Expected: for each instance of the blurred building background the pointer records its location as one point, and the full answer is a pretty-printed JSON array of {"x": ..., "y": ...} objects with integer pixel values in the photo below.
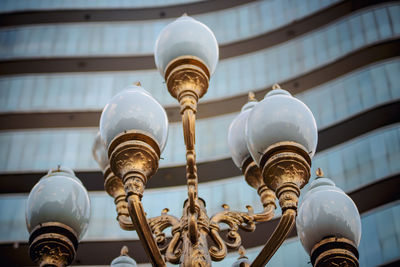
[{"x": 60, "y": 62}]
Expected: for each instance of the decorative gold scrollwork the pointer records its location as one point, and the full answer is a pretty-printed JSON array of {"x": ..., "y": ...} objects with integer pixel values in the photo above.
[
  {"x": 159, "y": 224},
  {"x": 134, "y": 159},
  {"x": 235, "y": 220},
  {"x": 174, "y": 250}
]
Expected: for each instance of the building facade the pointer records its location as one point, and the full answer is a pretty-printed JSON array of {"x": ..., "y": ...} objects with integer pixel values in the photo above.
[{"x": 61, "y": 61}]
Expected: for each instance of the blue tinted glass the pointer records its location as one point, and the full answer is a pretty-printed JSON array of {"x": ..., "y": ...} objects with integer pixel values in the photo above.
[
  {"x": 392, "y": 71},
  {"x": 369, "y": 25},
  {"x": 118, "y": 38},
  {"x": 336, "y": 167},
  {"x": 380, "y": 81},
  {"x": 313, "y": 5},
  {"x": 266, "y": 13},
  {"x": 320, "y": 47},
  {"x": 357, "y": 31},
  {"x": 365, "y": 170},
  {"x": 333, "y": 42},
  {"x": 341, "y": 100},
  {"x": 352, "y": 96},
  {"x": 394, "y": 13},
  {"x": 388, "y": 241},
  {"x": 392, "y": 145},
  {"x": 325, "y": 113},
  {"x": 275, "y": 64},
  {"x": 372, "y": 255},
  {"x": 377, "y": 144},
  {"x": 383, "y": 24},
  {"x": 5, "y": 144},
  {"x": 344, "y": 37},
  {"x": 23, "y": 5}
]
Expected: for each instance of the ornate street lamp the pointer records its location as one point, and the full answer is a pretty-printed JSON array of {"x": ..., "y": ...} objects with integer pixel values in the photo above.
[
  {"x": 57, "y": 216},
  {"x": 271, "y": 141},
  {"x": 329, "y": 225}
]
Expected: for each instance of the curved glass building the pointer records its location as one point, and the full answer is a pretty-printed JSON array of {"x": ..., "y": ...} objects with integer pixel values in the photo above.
[{"x": 61, "y": 61}]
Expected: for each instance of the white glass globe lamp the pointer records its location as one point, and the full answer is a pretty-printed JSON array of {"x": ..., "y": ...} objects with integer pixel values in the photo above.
[
  {"x": 280, "y": 117},
  {"x": 100, "y": 152},
  {"x": 236, "y": 136},
  {"x": 326, "y": 211},
  {"x": 59, "y": 197},
  {"x": 134, "y": 109},
  {"x": 186, "y": 37},
  {"x": 123, "y": 260}
]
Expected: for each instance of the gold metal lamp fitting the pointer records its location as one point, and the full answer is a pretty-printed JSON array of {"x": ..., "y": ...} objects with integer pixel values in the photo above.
[
  {"x": 251, "y": 97},
  {"x": 253, "y": 177},
  {"x": 134, "y": 157},
  {"x": 276, "y": 86},
  {"x": 53, "y": 244},
  {"x": 124, "y": 251},
  {"x": 286, "y": 169},
  {"x": 187, "y": 77},
  {"x": 115, "y": 188},
  {"x": 334, "y": 251},
  {"x": 319, "y": 173}
]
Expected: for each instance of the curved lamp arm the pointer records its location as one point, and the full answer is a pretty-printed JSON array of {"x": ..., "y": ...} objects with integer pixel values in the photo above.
[
  {"x": 285, "y": 170},
  {"x": 125, "y": 223},
  {"x": 134, "y": 158},
  {"x": 146, "y": 236},
  {"x": 278, "y": 236},
  {"x": 114, "y": 187}
]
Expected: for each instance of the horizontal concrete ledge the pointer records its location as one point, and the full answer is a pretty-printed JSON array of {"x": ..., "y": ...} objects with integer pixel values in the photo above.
[
  {"x": 352, "y": 127},
  {"x": 114, "y": 14},
  {"x": 143, "y": 62},
  {"x": 103, "y": 252},
  {"x": 351, "y": 62}
]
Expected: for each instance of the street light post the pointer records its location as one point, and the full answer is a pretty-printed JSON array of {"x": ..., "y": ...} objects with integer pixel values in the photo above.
[{"x": 271, "y": 141}]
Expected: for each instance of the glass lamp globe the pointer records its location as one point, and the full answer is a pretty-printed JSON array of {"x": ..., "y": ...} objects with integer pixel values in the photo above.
[
  {"x": 59, "y": 197},
  {"x": 134, "y": 109},
  {"x": 124, "y": 260},
  {"x": 236, "y": 136},
  {"x": 186, "y": 37},
  {"x": 100, "y": 152},
  {"x": 241, "y": 262},
  {"x": 327, "y": 211},
  {"x": 277, "y": 118}
]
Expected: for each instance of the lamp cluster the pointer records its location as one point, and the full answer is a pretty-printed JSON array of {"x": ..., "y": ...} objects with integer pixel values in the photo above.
[{"x": 271, "y": 141}]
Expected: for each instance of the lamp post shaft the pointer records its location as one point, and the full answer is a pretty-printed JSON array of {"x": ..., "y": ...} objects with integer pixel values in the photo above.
[
  {"x": 195, "y": 254},
  {"x": 187, "y": 80},
  {"x": 134, "y": 157}
]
